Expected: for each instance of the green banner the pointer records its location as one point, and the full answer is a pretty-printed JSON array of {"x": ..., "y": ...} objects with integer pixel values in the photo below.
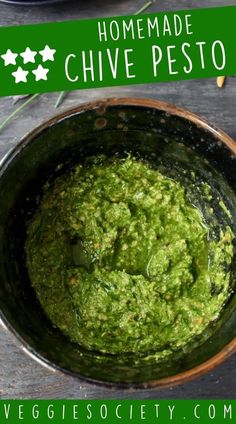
[
  {"x": 117, "y": 411},
  {"x": 118, "y": 51}
]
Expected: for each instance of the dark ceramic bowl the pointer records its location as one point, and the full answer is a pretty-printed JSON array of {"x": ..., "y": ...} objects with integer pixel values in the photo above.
[{"x": 152, "y": 130}]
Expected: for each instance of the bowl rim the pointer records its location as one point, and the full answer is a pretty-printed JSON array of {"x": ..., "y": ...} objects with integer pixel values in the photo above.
[
  {"x": 100, "y": 107},
  {"x": 30, "y": 3}
]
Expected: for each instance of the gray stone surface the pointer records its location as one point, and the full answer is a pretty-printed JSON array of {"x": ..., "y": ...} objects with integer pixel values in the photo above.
[{"x": 20, "y": 375}]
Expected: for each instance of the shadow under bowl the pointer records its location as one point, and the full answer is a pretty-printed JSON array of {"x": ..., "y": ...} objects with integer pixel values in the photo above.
[{"x": 147, "y": 128}]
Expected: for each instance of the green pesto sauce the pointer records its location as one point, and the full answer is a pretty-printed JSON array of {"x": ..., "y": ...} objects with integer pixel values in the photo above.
[{"x": 122, "y": 262}]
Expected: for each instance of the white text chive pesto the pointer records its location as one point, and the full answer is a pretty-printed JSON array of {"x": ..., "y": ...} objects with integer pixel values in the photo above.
[{"x": 121, "y": 261}]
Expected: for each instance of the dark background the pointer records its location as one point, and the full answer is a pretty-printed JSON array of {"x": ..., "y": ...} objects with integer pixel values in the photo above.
[{"x": 20, "y": 375}]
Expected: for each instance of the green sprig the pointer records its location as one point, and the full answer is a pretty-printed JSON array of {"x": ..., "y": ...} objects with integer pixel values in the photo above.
[
  {"x": 18, "y": 110},
  {"x": 144, "y": 7},
  {"x": 60, "y": 98}
]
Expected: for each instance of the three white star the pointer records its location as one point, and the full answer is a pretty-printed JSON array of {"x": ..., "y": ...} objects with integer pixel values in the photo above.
[
  {"x": 40, "y": 73},
  {"x": 28, "y": 55},
  {"x": 47, "y": 54},
  {"x": 20, "y": 75},
  {"x": 9, "y": 58}
]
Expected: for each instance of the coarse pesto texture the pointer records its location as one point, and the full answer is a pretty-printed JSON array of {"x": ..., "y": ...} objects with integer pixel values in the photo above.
[{"x": 121, "y": 261}]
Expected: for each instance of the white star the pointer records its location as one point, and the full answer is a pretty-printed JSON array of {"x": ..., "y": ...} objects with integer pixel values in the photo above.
[
  {"x": 20, "y": 75},
  {"x": 28, "y": 55},
  {"x": 9, "y": 58},
  {"x": 47, "y": 54},
  {"x": 40, "y": 73}
]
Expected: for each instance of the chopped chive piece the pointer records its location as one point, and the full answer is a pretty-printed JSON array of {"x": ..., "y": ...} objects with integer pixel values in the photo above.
[
  {"x": 19, "y": 109},
  {"x": 144, "y": 7}
]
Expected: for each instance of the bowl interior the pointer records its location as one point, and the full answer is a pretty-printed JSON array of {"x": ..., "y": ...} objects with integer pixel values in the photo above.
[{"x": 170, "y": 142}]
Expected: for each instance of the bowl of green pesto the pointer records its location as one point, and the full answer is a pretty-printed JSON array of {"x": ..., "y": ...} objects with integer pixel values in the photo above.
[{"x": 117, "y": 240}]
